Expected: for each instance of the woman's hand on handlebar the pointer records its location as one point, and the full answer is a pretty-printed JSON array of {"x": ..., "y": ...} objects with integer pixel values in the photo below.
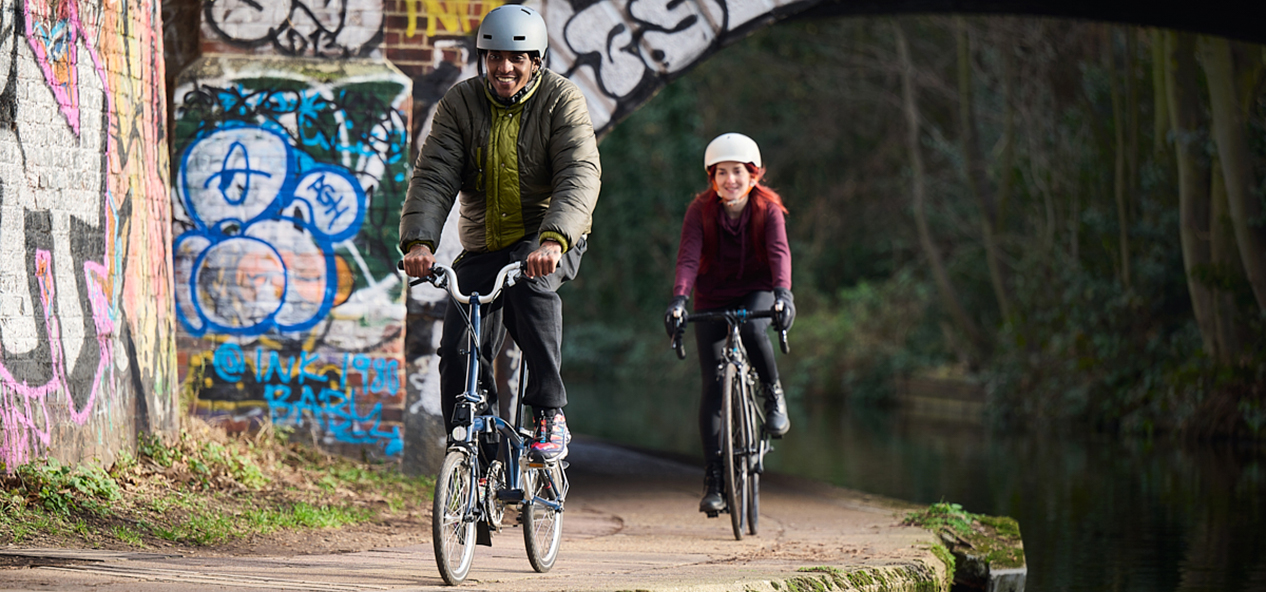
[{"x": 419, "y": 261}]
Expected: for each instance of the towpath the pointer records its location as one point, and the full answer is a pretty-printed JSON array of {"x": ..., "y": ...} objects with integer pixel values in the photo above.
[{"x": 631, "y": 524}]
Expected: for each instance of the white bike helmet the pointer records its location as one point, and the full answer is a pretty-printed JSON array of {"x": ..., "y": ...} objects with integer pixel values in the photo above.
[
  {"x": 732, "y": 146},
  {"x": 513, "y": 28}
]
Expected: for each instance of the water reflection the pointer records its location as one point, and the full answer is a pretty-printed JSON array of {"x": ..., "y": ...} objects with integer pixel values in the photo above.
[{"x": 1096, "y": 513}]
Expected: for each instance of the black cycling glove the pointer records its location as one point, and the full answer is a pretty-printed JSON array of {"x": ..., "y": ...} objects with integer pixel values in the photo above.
[
  {"x": 675, "y": 316},
  {"x": 788, "y": 314}
]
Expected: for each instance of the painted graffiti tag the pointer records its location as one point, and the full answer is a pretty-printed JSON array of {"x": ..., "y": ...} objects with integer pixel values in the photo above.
[
  {"x": 341, "y": 395},
  {"x": 454, "y": 16},
  {"x": 324, "y": 28}
]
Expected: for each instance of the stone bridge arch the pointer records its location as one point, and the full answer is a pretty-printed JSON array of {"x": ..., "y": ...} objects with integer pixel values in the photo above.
[{"x": 621, "y": 52}]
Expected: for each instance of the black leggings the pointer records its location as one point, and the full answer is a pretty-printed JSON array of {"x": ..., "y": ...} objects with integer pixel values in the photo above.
[{"x": 710, "y": 339}]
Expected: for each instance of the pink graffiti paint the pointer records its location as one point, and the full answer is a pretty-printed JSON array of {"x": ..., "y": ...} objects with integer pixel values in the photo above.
[
  {"x": 15, "y": 447},
  {"x": 52, "y": 30}
]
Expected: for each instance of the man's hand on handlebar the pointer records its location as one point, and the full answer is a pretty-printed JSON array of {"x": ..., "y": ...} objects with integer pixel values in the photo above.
[
  {"x": 419, "y": 261},
  {"x": 544, "y": 260}
]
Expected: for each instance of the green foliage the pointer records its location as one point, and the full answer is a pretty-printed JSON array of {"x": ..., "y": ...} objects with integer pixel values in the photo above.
[
  {"x": 61, "y": 489},
  {"x": 1084, "y": 343},
  {"x": 942, "y": 515}
]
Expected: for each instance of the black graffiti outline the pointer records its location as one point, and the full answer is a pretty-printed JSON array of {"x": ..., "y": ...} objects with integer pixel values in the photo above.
[
  {"x": 322, "y": 41},
  {"x": 641, "y": 27}
]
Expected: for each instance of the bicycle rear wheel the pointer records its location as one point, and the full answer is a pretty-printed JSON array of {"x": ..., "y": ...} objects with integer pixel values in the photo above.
[
  {"x": 734, "y": 466},
  {"x": 452, "y": 519},
  {"x": 543, "y": 525}
]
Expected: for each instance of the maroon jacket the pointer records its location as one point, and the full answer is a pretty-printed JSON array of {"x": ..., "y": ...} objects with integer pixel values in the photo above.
[{"x": 737, "y": 269}]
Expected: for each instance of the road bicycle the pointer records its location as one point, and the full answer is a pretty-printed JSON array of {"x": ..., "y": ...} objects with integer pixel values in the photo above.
[
  {"x": 475, "y": 486},
  {"x": 743, "y": 439}
]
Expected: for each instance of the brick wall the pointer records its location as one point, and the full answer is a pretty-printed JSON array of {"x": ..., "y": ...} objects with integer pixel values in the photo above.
[{"x": 86, "y": 318}]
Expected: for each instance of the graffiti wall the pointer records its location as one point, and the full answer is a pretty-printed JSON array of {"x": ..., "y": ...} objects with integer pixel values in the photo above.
[
  {"x": 290, "y": 174},
  {"x": 87, "y": 344}
]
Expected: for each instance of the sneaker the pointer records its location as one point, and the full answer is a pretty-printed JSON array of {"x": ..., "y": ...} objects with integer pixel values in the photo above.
[{"x": 551, "y": 439}]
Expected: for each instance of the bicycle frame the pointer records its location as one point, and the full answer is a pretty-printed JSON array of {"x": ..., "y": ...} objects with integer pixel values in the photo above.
[{"x": 474, "y": 398}]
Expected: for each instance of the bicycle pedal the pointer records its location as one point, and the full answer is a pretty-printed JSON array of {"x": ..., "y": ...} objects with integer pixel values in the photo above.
[
  {"x": 712, "y": 514},
  {"x": 483, "y": 535}
]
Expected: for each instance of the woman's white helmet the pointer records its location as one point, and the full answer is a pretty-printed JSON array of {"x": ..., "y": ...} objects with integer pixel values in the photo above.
[
  {"x": 732, "y": 146},
  {"x": 512, "y": 27}
]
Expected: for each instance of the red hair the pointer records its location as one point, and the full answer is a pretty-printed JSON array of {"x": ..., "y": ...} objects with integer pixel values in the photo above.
[{"x": 760, "y": 199}]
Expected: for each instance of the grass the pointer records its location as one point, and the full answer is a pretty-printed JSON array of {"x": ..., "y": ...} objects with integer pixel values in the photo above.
[{"x": 202, "y": 488}]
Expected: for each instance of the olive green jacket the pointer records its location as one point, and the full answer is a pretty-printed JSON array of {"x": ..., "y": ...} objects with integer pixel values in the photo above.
[{"x": 527, "y": 168}]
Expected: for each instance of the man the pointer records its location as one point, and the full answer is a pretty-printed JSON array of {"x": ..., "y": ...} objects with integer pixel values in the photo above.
[{"x": 519, "y": 146}]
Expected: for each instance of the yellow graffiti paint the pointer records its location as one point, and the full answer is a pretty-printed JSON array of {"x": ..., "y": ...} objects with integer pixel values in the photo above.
[{"x": 454, "y": 16}]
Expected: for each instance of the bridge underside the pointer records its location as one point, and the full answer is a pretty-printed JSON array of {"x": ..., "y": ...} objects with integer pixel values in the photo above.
[{"x": 1227, "y": 18}]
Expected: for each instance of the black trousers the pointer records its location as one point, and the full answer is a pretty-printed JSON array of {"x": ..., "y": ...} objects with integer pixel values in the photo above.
[
  {"x": 530, "y": 310},
  {"x": 710, "y": 341}
]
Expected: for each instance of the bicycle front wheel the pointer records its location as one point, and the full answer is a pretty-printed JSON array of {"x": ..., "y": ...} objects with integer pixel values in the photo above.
[
  {"x": 755, "y": 447},
  {"x": 453, "y": 517},
  {"x": 733, "y": 457},
  {"x": 543, "y": 525}
]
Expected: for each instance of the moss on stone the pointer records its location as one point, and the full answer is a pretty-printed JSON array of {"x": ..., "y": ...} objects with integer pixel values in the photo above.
[
  {"x": 917, "y": 577},
  {"x": 974, "y": 543}
]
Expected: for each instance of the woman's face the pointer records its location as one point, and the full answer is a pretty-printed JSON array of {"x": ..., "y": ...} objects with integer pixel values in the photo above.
[{"x": 733, "y": 181}]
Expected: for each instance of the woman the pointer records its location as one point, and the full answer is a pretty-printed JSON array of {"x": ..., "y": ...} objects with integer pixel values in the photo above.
[{"x": 733, "y": 254}]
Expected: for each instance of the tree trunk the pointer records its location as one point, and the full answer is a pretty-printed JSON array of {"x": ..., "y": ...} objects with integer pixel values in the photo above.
[
  {"x": 1159, "y": 96},
  {"x": 1233, "y": 152},
  {"x": 1193, "y": 181},
  {"x": 949, "y": 296},
  {"x": 1118, "y": 124},
  {"x": 974, "y": 163},
  {"x": 1132, "y": 132},
  {"x": 1230, "y": 333},
  {"x": 1006, "y": 161}
]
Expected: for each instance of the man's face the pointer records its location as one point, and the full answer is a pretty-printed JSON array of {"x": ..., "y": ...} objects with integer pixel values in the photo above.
[{"x": 509, "y": 71}]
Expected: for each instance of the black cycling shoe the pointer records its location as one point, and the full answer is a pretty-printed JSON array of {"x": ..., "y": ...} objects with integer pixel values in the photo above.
[
  {"x": 776, "y": 421},
  {"x": 712, "y": 502}
]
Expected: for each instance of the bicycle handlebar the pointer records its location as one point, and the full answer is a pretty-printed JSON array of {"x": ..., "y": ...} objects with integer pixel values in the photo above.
[
  {"x": 731, "y": 317},
  {"x": 445, "y": 278}
]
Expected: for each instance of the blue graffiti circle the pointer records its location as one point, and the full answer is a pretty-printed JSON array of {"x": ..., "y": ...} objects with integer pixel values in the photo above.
[
  {"x": 229, "y": 362},
  {"x": 266, "y": 221}
]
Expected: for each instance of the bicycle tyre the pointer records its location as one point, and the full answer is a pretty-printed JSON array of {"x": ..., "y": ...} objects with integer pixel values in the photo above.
[
  {"x": 753, "y": 445},
  {"x": 542, "y": 526},
  {"x": 452, "y": 534},
  {"x": 753, "y": 504},
  {"x": 733, "y": 467}
]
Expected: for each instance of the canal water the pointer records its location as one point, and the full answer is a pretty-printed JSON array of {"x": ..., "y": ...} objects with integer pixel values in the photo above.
[{"x": 1095, "y": 513}]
